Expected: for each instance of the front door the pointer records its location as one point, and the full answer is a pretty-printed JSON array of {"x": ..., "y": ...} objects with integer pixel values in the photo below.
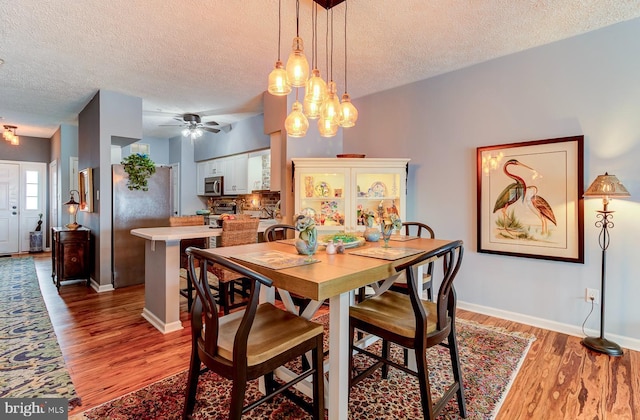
[{"x": 9, "y": 208}]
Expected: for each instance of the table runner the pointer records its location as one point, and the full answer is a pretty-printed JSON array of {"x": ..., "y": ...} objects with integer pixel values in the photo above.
[{"x": 275, "y": 260}]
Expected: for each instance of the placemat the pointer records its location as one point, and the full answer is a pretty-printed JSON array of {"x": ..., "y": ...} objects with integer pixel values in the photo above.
[
  {"x": 275, "y": 260},
  {"x": 402, "y": 238},
  {"x": 386, "y": 253}
]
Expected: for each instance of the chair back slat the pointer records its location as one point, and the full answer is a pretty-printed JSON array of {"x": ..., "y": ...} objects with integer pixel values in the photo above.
[
  {"x": 451, "y": 256},
  {"x": 279, "y": 231}
]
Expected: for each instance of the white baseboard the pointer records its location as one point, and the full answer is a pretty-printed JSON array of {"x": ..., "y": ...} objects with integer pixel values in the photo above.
[
  {"x": 101, "y": 287},
  {"x": 626, "y": 342}
]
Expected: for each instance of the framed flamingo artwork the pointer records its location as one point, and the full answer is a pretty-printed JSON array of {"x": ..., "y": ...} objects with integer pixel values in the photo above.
[{"x": 530, "y": 199}]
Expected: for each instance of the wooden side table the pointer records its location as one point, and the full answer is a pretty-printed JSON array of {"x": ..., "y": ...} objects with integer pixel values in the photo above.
[{"x": 70, "y": 254}]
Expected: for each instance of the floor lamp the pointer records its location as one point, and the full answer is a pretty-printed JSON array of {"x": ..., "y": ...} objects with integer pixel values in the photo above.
[{"x": 606, "y": 187}]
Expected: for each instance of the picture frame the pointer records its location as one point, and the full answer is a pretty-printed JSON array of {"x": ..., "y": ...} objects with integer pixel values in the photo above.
[
  {"x": 85, "y": 189},
  {"x": 529, "y": 199}
]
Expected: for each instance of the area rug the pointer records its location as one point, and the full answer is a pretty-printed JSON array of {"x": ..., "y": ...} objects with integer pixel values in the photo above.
[
  {"x": 31, "y": 363},
  {"x": 490, "y": 360}
]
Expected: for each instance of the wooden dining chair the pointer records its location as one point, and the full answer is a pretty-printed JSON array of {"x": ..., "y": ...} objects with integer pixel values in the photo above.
[
  {"x": 241, "y": 231},
  {"x": 411, "y": 322},
  {"x": 249, "y": 343},
  {"x": 279, "y": 231},
  {"x": 423, "y": 231}
]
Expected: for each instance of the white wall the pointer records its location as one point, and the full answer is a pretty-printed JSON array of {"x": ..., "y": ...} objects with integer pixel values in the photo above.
[{"x": 586, "y": 85}]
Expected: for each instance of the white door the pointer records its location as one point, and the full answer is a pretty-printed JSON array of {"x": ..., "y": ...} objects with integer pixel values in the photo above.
[
  {"x": 54, "y": 197},
  {"x": 9, "y": 208}
]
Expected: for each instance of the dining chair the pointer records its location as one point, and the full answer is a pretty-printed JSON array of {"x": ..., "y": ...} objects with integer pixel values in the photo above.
[
  {"x": 240, "y": 231},
  {"x": 279, "y": 231},
  {"x": 249, "y": 343},
  {"x": 186, "y": 285},
  {"x": 420, "y": 230},
  {"x": 414, "y": 323}
]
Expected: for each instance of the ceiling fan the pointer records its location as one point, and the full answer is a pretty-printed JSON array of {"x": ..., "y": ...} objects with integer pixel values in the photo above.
[{"x": 193, "y": 126}]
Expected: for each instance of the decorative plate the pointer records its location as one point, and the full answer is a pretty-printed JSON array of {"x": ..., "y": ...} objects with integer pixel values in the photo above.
[
  {"x": 308, "y": 211},
  {"x": 378, "y": 189},
  {"x": 348, "y": 239},
  {"x": 323, "y": 189}
]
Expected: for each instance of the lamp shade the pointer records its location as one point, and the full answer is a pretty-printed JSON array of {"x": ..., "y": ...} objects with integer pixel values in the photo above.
[
  {"x": 607, "y": 186},
  {"x": 278, "y": 82},
  {"x": 296, "y": 123}
]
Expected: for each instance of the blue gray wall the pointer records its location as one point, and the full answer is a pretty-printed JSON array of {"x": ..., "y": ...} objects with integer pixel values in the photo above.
[{"x": 587, "y": 85}]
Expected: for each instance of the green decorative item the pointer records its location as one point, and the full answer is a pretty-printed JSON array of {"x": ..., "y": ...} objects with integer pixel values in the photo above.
[{"x": 139, "y": 168}]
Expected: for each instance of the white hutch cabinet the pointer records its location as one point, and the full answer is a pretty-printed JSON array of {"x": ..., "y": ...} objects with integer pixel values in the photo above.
[{"x": 338, "y": 191}]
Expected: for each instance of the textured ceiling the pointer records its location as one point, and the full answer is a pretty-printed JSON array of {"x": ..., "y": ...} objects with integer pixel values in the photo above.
[{"x": 213, "y": 57}]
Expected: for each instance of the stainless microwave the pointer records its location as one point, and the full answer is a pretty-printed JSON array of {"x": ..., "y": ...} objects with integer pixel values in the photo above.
[{"x": 213, "y": 186}]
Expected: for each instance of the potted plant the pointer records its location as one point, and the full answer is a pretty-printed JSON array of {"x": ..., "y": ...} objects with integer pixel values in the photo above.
[{"x": 139, "y": 168}]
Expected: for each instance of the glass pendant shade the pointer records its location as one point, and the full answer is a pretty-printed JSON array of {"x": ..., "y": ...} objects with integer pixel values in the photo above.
[
  {"x": 349, "y": 113},
  {"x": 330, "y": 108},
  {"x": 278, "y": 80},
  {"x": 296, "y": 123},
  {"x": 297, "y": 64},
  {"x": 316, "y": 89},
  {"x": 15, "y": 140},
  {"x": 327, "y": 127},
  {"x": 311, "y": 108}
]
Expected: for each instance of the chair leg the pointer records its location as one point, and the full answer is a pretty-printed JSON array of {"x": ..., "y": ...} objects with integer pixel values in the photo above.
[
  {"x": 238, "y": 389},
  {"x": 457, "y": 373},
  {"x": 386, "y": 349},
  {"x": 423, "y": 379},
  {"x": 189, "y": 291},
  {"x": 192, "y": 384},
  {"x": 318, "y": 380},
  {"x": 224, "y": 297}
]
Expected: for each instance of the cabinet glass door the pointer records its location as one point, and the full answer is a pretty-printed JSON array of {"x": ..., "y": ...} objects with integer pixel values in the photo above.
[
  {"x": 323, "y": 196},
  {"x": 375, "y": 191}
]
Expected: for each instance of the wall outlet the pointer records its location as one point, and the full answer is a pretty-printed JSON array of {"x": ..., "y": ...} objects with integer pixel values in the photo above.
[{"x": 592, "y": 294}]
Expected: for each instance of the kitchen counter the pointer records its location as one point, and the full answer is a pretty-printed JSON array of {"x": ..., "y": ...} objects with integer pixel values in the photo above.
[{"x": 162, "y": 270}]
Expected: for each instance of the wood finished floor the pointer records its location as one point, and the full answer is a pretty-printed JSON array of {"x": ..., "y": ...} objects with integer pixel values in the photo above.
[{"x": 111, "y": 350}]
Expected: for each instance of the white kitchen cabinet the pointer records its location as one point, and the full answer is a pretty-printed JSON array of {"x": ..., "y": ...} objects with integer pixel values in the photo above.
[
  {"x": 336, "y": 192},
  {"x": 201, "y": 170},
  {"x": 235, "y": 173},
  {"x": 259, "y": 168}
]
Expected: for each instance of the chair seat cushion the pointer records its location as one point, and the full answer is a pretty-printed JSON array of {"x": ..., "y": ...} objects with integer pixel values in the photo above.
[
  {"x": 274, "y": 331},
  {"x": 392, "y": 311},
  {"x": 213, "y": 280}
]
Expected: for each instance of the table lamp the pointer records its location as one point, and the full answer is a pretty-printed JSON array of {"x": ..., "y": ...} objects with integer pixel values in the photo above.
[
  {"x": 73, "y": 210},
  {"x": 606, "y": 187}
]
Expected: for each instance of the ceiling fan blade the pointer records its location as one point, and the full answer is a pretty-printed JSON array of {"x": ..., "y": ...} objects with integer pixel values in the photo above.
[
  {"x": 179, "y": 119},
  {"x": 210, "y": 123},
  {"x": 169, "y": 125},
  {"x": 211, "y": 129}
]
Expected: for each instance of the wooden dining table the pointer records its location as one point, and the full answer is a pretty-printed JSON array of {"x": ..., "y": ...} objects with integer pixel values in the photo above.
[{"x": 333, "y": 277}]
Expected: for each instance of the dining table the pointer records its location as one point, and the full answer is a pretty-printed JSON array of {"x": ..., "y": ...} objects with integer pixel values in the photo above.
[{"x": 332, "y": 277}]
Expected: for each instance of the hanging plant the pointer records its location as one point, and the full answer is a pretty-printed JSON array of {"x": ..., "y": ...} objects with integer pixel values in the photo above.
[{"x": 139, "y": 168}]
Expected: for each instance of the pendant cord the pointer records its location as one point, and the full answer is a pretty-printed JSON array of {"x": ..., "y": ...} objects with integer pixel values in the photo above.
[
  {"x": 297, "y": 18},
  {"x": 345, "y": 47},
  {"x": 331, "y": 45},
  {"x": 326, "y": 45},
  {"x": 279, "y": 26}
]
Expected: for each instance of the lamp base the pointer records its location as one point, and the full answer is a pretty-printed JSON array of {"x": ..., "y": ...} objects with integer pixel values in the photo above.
[
  {"x": 602, "y": 345},
  {"x": 73, "y": 226}
]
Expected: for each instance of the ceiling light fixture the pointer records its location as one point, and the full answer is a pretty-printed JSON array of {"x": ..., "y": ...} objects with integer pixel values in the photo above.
[
  {"x": 192, "y": 131},
  {"x": 10, "y": 135},
  {"x": 348, "y": 112},
  {"x": 278, "y": 81},
  {"x": 297, "y": 64},
  {"x": 330, "y": 107}
]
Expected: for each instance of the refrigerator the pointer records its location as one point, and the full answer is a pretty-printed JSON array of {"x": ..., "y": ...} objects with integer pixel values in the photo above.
[{"x": 136, "y": 209}]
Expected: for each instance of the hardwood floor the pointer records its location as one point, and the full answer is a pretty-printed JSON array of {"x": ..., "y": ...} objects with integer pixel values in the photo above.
[{"x": 111, "y": 350}]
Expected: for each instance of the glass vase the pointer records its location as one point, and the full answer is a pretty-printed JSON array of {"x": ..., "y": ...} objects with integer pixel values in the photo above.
[{"x": 386, "y": 230}]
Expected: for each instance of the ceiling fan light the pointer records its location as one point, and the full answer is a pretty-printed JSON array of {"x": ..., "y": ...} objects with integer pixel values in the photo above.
[
  {"x": 185, "y": 132},
  {"x": 297, "y": 64},
  {"x": 348, "y": 112},
  {"x": 278, "y": 81},
  {"x": 296, "y": 123}
]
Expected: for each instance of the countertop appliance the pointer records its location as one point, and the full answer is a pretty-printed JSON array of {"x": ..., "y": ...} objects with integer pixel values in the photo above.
[{"x": 213, "y": 186}]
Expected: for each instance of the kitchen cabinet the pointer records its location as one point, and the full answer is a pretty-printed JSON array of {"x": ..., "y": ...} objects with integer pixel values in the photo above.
[
  {"x": 259, "y": 170},
  {"x": 235, "y": 174},
  {"x": 337, "y": 192},
  {"x": 70, "y": 254}
]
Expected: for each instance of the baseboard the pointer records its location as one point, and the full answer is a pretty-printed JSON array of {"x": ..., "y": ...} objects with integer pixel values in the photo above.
[
  {"x": 101, "y": 287},
  {"x": 626, "y": 342}
]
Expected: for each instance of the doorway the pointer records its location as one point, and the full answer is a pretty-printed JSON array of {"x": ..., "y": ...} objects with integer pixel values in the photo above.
[{"x": 9, "y": 208}]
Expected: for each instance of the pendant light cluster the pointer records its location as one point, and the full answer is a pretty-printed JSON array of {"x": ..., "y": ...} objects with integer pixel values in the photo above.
[
  {"x": 10, "y": 135},
  {"x": 320, "y": 100}
]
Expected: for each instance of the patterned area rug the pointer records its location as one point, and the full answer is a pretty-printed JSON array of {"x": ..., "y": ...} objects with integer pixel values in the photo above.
[
  {"x": 31, "y": 363},
  {"x": 490, "y": 361}
]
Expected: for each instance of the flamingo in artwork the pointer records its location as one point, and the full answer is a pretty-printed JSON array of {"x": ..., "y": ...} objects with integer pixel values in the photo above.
[
  {"x": 540, "y": 207},
  {"x": 512, "y": 192}
]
